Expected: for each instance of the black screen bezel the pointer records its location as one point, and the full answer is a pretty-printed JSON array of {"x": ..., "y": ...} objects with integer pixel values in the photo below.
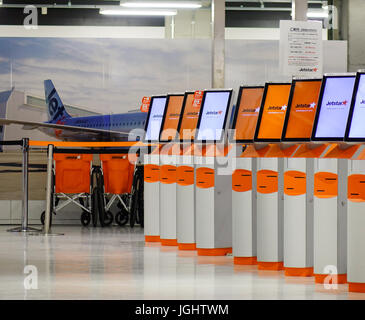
[
  {"x": 352, "y": 107},
  {"x": 287, "y": 115},
  {"x": 319, "y": 106},
  {"x": 225, "y": 117},
  {"x": 165, "y": 114},
  {"x": 235, "y": 116},
  {"x": 148, "y": 118},
  {"x": 256, "y": 139},
  {"x": 182, "y": 115}
]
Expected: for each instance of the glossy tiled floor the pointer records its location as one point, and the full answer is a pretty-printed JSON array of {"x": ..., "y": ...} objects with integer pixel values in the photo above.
[{"x": 114, "y": 263}]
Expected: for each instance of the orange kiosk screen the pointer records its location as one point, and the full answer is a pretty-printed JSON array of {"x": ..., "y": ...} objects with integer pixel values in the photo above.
[
  {"x": 273, "y": 111},
  {"x": 248, "y": 113},
  {"x": 172, "y": 117},
  {"x": 302, "y": 109},
  {"x": 189, "y": 119}
]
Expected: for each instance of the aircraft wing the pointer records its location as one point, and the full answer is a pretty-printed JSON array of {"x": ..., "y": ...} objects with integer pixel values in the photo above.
[{"x": 66, "y": 130}]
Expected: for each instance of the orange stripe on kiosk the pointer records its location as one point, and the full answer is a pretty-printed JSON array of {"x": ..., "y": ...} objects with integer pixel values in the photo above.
[
  {"x": 330, "y": 177},
  {"x": 213, "y": 196},
  {"x": 356, "y": 190},
  {"x": 244, "y": 242},
  {"x": 270, "y": 176},
  {"x": 168, "y": 169},
  {"x": 185, "y": 188},
  {"x": 152, "y": 170},
  {"x": 299, "y": 176}
]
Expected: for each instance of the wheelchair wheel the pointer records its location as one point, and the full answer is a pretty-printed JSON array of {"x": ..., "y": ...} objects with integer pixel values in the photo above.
[
  {"x": 133, "y": 212},
  {"x": 101, "y": 210},
  {"x": 108, "y": 218},
  {"x": 43, "y": 217},
  {"x": 137, "y": 199},
  {"x": 43, "y": 214},
  {"x": 85, "y": 218},
  {"x": 141, "y": 208},
  {"x": 121, "y": 218},
  {"x": 94, "y": 207},
  {"x": 140, "y": 211}
]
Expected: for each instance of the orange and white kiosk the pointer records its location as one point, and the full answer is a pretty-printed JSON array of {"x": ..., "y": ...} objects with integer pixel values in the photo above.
[
  {"x": 152, "y": 170},
  {"x": 270, "y": 180},
  {"x": 355, "y": 133},
  {"x": 213, "y": 196},
  {"x": 299, "y": 177},
  {"x": 244, "y": 191},
  {"x": 185, "y": 188},
  {"x": 330, "y": 179},
  {"x": 168, "y": 169}
]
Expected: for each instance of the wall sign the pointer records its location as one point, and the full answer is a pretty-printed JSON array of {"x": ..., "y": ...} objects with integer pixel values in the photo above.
[
  {"x": 198, "y": 97},
  {"x": 301, "y": 52},
  {"x": 145, "y": 104}
]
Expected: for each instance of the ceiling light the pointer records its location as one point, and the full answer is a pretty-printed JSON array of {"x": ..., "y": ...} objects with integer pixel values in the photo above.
[
  {"x": 124, "y": 12},
  {"x": 161, "y": 4},
  {"x": 317, "y": 14}
]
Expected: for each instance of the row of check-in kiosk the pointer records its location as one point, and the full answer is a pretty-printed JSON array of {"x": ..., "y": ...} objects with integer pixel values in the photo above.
[{"x": 284, "y": 189}]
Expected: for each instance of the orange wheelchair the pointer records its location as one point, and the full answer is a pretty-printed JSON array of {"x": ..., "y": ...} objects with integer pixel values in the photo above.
[
  {"x": 118, "y": 173},
  {"x": 72, "y": 182}
]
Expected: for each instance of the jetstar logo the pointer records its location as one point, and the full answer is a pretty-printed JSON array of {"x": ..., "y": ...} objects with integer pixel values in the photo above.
[
  {"x": 214, "y": 113},
  {"x": 174, "y": 115},
  {"x": 253, "y": 110},
  {"x": 337, "y": 103},
  {"x": 277, "y": 108},
  {"x": 157, "y": 116},
  {"x": 305, "y": 106},
  {"x": 362, "y": 101},
  {"x": 308, "y": 69},
  {"x": 192, "y": 113}
]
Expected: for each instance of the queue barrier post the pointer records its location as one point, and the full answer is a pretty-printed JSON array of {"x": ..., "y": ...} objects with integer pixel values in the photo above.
[
  {"x": 25, "y": 165},
  {"x": 47, "y": 220}
]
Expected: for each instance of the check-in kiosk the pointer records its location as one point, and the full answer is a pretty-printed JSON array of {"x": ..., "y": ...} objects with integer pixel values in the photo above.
[
  {"x": 213, "y": 197},
  {"x": 330, "y": 178},
  {"x": 355, "y": 133},
  {"x": 299, "y": 176},
  {"x": 152, "y": 170},
  {"x": 168, "y": 170},
  {"x": 244, "y": 192},
  {"x": 270, "y": 176},
  {"x": 185, "y": 188}
]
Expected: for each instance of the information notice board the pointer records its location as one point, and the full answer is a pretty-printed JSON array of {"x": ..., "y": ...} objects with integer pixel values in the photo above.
[{"x": 301, "y": 52}]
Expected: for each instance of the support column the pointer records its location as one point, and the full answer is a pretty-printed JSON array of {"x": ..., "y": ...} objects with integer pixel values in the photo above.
[
  {"x": 356, "y": 29},
  {"x": 299, "y": 10},
  {"x": 218, "y": 42}
]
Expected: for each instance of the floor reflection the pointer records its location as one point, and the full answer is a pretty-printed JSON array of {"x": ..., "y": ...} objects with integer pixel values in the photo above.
[{"x": 116, "y": 263}]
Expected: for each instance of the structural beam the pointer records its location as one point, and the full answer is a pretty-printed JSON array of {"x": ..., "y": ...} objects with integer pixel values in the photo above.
[
  {"x": 299, "y": 10},
  {"x": 218, "y": 43}
]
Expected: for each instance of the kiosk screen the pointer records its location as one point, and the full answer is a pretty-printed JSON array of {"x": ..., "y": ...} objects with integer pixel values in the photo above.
[
  {"x": 246, "y": 113},
  {"x": 213, "y": 115},
  {"x": 154, "y": 118},
  {"x": 272, "y": 112},
  {"x": 333, "y": 108},
  {"x": 356, "y": 127},
  {"x": 301, "y": 111},
  {"x": 189, "y": 119},
  {"x": 171, "y": 117}
]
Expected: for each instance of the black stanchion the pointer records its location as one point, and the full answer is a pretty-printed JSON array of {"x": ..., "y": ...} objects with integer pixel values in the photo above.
[{"x": 25, "y": 149}]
